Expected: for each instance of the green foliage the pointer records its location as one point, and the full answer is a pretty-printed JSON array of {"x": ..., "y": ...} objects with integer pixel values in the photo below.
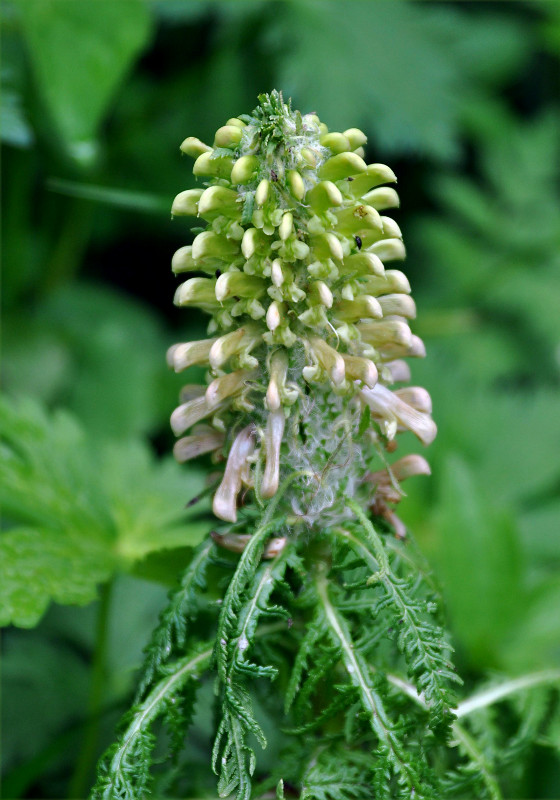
[
  {"x": 85, "y": 336},
  {"x": 171, "y": 633},
  {"x": 78, "y": 98},
  {"x": 327, "y": 651},
  {"x": 79, "y": 511},
  {"x": 368, "y": 707},
  {"x": 503, "y": 241},
  {"x": 408, "y": 609},
  {"x": 463, "y": 100},
  {"x": 124, "y": 771},
  {"x": 380, "y": 81},
  {"x": 337, "y": 774},
  {"x": 496, "y": 596}
]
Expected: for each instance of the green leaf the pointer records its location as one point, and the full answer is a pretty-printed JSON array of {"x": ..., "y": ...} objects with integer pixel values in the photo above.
[
  {"x": 81, "y": 511},
  {"x": 180, "y": 11},
  {"x": 37, "y": 673},
  {"x": 503, "y": 244},
  {"x": 360, "y": 61},
  {"x": 534, "y": 643},
  {"x": 80, "y": 53},
  {"x": 477, "y": 551},
  {"x": 14, "y": 125},
  {"x": 37, "y": 566},
  {"x": 99, "y": 350}
]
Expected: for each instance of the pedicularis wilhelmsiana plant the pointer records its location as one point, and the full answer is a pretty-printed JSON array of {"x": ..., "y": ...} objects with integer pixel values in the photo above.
[{"x": 326, "y": 632}]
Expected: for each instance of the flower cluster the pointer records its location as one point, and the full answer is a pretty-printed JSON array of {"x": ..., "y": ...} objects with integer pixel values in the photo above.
[{"x": 308, "y": 327}]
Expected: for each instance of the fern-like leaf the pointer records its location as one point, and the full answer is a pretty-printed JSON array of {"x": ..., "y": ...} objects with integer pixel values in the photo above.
[
  {"x": 338, "y": 774},
  {"x": 233, "y": 756},
  {"x": 421, "y": 640},
  {"x": 233, "y": 759},
  {"x": 124, "y": 771},
  {"x": 171, "y": 633},
  {"x": 236, "y": 591},
  {"x": 392, "y": 760}
]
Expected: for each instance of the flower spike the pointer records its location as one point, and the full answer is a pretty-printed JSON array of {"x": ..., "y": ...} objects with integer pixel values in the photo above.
[{"x": 308, "y": 325}]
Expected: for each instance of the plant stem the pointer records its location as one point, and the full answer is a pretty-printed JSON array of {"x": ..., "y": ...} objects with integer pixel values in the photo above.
[
  {"x": 88, "y": 754},
  {"x": 68, "y": 251},
  {"x": 496, "y": 693}
]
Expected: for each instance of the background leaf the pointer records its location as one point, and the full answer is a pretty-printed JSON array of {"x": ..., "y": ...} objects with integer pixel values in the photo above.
[
  {"x": 350, "y": 63},
  {"x": 86, "y": 511},
  {"x": 481, "y": 572},
  {"x": 462, "y": 101},
  {"x": 80, "y": 54}
]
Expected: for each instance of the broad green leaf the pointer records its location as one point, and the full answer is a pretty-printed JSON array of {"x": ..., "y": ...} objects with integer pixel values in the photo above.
[
  {"x": 179, "y": 11},
  {"x": 38, "y": 566},
  {"x": 100, "y": 352},
  {"x": 35, "y": 361},
  {"x": 80, "y": 52},
  {"x": 114, "y": 375},
  {"x": 14, "y": 125},
  {"x": 550, "y": 28},
  {"x": 540, "y": 526},
  {"x": 80, "y": 511},
  {"x": 151, "y": 521}
]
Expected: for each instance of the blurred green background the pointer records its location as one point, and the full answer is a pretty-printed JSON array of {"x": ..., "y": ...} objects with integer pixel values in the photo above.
[{"x": 462, "y": 100}]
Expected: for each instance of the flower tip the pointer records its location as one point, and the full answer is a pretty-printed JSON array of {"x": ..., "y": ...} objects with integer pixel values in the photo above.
[
  {"x": 409, "y": 466},
  {"x": 223, "y": 506},
  {"x": 193, "y": 147}
]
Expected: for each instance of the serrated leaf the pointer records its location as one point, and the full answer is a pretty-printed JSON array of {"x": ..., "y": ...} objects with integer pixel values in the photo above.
[
  {"x": 39, "y": 566},
  {"x": 80, "y": 511}
]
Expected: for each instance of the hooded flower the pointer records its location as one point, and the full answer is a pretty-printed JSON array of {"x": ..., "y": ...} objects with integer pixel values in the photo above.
[{"x": 309, "y": 325}]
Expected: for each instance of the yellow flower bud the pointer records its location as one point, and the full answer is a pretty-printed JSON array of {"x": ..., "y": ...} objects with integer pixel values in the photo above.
[
  {"x": 295, "y": 251},
  {"x": 227, "y": 136},
  {"x": 355, "y": 137},
  {"x": 295, "y": 184},
  {"x": 244, "y": 169},
  {"x": 186, "y": 203},
  {"x": 219, "y": 167},
  {"x": 194, "y": 147},
  {"x": 261, "y": 194},
  {"x": 342, "y": 166}
]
